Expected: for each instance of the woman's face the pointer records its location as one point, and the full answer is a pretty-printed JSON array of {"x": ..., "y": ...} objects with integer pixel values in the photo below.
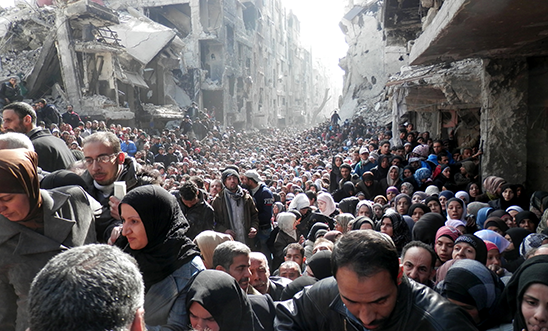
[
  {"x": 474, "y": 190},
  {"x": 394, "y": 173},
  {"x": 378, "y": 211},
  {"x": 201, "y": 319},
  {"x": 402, "y": 206},
  {"x": 463, "y": 251},
  {"x": 416, "y": 199},
  {"x": 508, "y": 194},
  {"x": 454, "y": 210},
  {"x": 446, "y": 172},
  {"x": 444, "y": 248},
  {"x": 417, "y": 214},
  {"x": 133, "y": 228},
  {"x": 386, "y": 226},
  {"x": 527, "y": 224},
  {"x": 322, "y": 206},
  {"x": 338, "y": 162},
  {"x": 434, "y": 207},
  {"x": 385, "y": 163},
  {"x": 493, "y": 258},
  {"x": 364, "y": 211},
  {"x": 391, "y": 195},
  {"x": 534, "y": 307},
  {"x": 405, "y": 189},
  {"x": 407, "y": 173},
  {"x": 443, "y": 201},
  {"x": 14, "y": 206}
]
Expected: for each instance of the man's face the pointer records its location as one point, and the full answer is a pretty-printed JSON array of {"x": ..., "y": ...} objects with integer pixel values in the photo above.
[
  {"x": 102, "y": 173},
  {"x": 190, "y": 203},
  {"x": 239, "y": 270},
  {"x": 385, "y": 148},
  {"x": 417, "y": 265},
  {"x": 370, "y": 299},
  {"x": 444, "y": 160},
  {"x": 437, "y": 147},
  {"x": 294, "y": 255},
  {"x": 259, "y": 275},
  {"x": 345, "y": 172},
  {"x": 288, "y": 272},
  {"x": 231, "y": 183},
  {"x": 364, "y": 156},
  {"x": 12, "y": 122}
]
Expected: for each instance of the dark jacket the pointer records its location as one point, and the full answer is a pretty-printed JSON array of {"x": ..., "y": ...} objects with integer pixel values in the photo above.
[
  {"x": 50, "y": 114},
  {"x": 320, "y": 308},
  {"x": 53, "y": 153},
  {"x": 222, "y": 219},
  {"x": 201, "y": 216},
  {"x": 105, "y": 223},
  {"x": 277, "y": 286},
  {"x": 263, "y": 201},
  {"x": 282, "y": 240},
  {"x": 10, "y": 92},
  {"x": 71, "y": 118}
]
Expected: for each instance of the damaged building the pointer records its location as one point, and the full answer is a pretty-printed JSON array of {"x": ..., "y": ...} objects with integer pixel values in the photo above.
[
  {"x": 475, "y": 70},
  {"x": 137, "y": 61}
]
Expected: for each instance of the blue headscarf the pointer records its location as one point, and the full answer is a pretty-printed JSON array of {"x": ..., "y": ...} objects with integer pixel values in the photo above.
[{"x": 421, "y": 174}]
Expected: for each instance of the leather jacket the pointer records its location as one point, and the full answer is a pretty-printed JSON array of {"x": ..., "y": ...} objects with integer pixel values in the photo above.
[{"x": 320, "y": 308}]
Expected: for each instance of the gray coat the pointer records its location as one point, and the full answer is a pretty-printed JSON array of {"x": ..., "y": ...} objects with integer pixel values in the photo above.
[{"x": 69, "y": 221}]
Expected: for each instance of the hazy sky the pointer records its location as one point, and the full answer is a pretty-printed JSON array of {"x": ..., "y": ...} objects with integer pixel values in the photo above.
[{"x": 320, "y": 29}]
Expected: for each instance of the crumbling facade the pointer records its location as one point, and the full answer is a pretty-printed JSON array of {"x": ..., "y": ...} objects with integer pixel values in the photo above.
[
  {"x": 475, "y": 70},
  {"x": 143, "y": 60}
]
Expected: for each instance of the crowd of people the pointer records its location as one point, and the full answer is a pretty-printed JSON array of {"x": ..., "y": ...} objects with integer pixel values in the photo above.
[{"x": 338, "y": 227}]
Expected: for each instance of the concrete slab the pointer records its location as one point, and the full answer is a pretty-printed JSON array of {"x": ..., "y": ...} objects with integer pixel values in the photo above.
[{"x": 483, "y": 28}]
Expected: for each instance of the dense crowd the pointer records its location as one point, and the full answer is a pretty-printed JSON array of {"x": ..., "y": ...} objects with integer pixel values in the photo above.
[{"x": 405, "y": 225}]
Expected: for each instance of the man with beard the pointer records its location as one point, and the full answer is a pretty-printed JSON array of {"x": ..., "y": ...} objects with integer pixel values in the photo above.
[
  {"x": 261, "y": 280},
  {"x": 369, "y": 292},
  {"x": 235, "y": 211},
  {"x": 53, "y": 153}
]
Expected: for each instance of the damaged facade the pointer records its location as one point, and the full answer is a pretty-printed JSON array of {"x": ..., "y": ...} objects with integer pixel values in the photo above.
[
  {"x": 476, "y": 69},
  {"x": 140, "y": 60}
]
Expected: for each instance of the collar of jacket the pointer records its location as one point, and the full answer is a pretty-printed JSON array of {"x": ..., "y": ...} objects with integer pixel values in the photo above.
[{"x": 56, "y": 229}]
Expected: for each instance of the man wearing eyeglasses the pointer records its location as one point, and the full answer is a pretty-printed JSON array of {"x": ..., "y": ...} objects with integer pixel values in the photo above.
[{"x": 106, "y": 163}]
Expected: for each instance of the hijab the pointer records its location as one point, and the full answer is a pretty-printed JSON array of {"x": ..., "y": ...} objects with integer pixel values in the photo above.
[
  {"x": 483, "y": 214},
  {"x": 207, "y": 241},
  {"x": 426, "y": 228},
  {"x": 360, "y": 220},
  {"x": 18, "y": 175},
  {"x": 524, "y": 215},
  {"x": 447, "y": 194},
  {"x": 409, "y": 186},
  {"x": 533, "y": 270},
  {"x": 320, "y": 264},
  {"x": 390, "y": 181},
  {"x": 168, "y": 246},
  {"x": 492, "y": 236},
  {"x": 421, "y": 174},
  {"x": 517, "y": 235},
  {"x": 472, "y": 283},
  {"x": 477, "y": 244},
  {"x": 223, "y": 298},
  {"x": 329, "y": 203},
  {"x": 449, "y": 232},
  {"x": 491, "y": 184},
  {"x": 422, "y": 195},
  {"x": 366, "y": 203},
  {"x": 400, "y": 234},
  {"x": 286, "y": 223},
  {"x": 463, "y": 205},
  {"x": 315, "y": 228}
]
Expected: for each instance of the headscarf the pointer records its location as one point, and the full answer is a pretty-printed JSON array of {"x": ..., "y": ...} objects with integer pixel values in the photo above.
[
  {"x": 168, "y": 246},
  {"x": 400, "y": 234},
  {"x": 422, "y": 195},
  {"x": 402, "y": 196},
  {"x": 534, "y": 270},
  {"x": 18, "y": 174},
  {"x": 433, "y": 198},
  {"x": 320, "y": 263},
  {"x": 470, "y": 282},
  {"x": 534, "y": 240},
  {"x": 447, "y": 194},
  {"x": 300, "y": 201},
  {"x": 470, "y": 167},
  {"x": 483, "y": 214},
  {"x": 314, "y": 229},
  {"x": 449, "y": 232},
  {"x": 422, "y": 173},
  {"x": 526, "y": 215},
  {"x": 421, "y": 150},
  {"x": 432, "y": 190},
  {"x": 385, "y": 201},
  {"x": 455, "y": 223},
  {"x": 286, "y": 223},
  {"x": 392, "y": 189},
  {"x": 491, "y": 184},
  {"x": 343, "y": 220},
  {"x": 389, "y": 180},
  {"x": 514, "y": 208},
  {"x": 463, "y": 216},
  {"x": 220, "y": 294},
  {"x": 367, "y": 204},
  {"x": 489, "y": 235},
  {"x": 539, "y": 201},
  {"x": 409, "y": 186},
  {"x": 517, "y": 235},
  {"x": 426, "y": 228},
  {"x": 474, "y": 207},
  {"x": 414, "y": 206},
  {"x": 463, "y": 196},
  {"x": 477, "y": 244},
  {"x": 496, "y": 222},
  {"x": 359, "y": 221},
  {"x": 207, "y": 241},
  {"x": 329, "y": 203}
]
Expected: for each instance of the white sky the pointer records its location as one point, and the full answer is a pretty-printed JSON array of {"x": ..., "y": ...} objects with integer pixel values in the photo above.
[
  {"x": 320, "y": 30},
  {"x": 6, "y": 3}
]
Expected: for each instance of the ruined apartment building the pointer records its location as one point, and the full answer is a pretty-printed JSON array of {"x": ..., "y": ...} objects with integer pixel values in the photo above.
[
  {"x": 473, "y": 68},
  {"x": 136, "y": 60}
]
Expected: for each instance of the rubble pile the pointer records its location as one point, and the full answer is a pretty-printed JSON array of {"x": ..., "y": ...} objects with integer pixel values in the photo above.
[{"x": 18, "y": 63}]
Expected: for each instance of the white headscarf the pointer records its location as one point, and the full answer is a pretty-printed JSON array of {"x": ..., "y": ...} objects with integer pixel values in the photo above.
[
  {"x": 286, "y": 223},
  {"x": 329, "y": 203}
]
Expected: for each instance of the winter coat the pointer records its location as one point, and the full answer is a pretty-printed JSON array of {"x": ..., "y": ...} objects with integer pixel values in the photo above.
[
  {"x": 53, "y": 153},
  {"x": 68, "y": 222},
  {"x": 201, "y": 216}
]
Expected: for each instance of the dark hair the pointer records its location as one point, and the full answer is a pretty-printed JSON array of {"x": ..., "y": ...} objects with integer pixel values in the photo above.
[
  {"x": 22, "y": 109},
  {"x": 384, "y": 142},
  {"x": 366, "y": 253},
  {"x": 224, "y": 254},
  {"x": 311, "y": 195},
  {"x": 188, "y": 191},
  {"x": 346, "y": 166},
  {"x": 198, "y": 181},
  {"x": 440, "y": 155},
  {"x": 420, "y": 244},
  {"x": 295, "y": 246}
]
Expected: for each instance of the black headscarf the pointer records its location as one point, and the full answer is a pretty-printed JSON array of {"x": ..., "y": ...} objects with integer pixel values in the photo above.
[
  {"x": 400, "y": 234},
  {"x": 427, "y": 226},
  {"x": 317, "y": 226},
  {"x": 477, "y": 243},
  {"x": 359, "y": 221},
  {"x": 168, "y": 247},
  {"x": 533, "y": 270},
  {"x": 529, "y": 215},
  {"x": 220, "y": 294},
  {"x": 320, "y": 263}
]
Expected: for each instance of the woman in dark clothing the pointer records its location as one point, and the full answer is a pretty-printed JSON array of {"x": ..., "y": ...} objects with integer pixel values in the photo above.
[
  {"x": 392, "y": 178},
  {"x": 511, "y": 257},
  {"x": 443, "y": 177},
  {"x": 369, "y": 186},
  {"x": 507, "y": 199},
  {"x": 335, "y": 175},
  {"x": 381, "y": 170},
  {"x": 395, "y": 226},
  {"x": 153, "y": 233}
]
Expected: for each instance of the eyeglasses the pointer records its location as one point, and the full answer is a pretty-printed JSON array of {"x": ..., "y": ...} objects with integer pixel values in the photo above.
[{"x": 101, "y": 159}]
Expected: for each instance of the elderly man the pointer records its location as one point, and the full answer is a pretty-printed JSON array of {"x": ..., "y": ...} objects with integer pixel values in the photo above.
[
  {"x": 232, "y": 257},
  {"x": 53, "y": 153},
  {"x": 93, "y": 287},
  {"x": 262, "y": 281},
  {"x": 106, "y": 163},
  {"x": 235, "y": 211},
  {"x": 369, "y": 291},
  {"x": 418, "y": 261},
  {"x": 290, "y": 270}
]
